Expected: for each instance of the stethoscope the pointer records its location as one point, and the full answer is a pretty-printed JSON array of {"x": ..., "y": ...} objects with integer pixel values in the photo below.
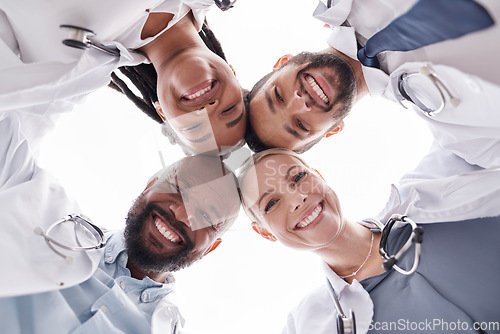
[
  {"x": 347, "y": 324},
  {"x": 405, "y": 90},
  {"x": 78, "y": 220}
]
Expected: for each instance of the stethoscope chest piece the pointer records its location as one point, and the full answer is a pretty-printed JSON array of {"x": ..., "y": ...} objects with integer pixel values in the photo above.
[
  {"x": 346, "y": 325},
  {"x": 77, "y": 37},
  {"x": 81, "y": 38}
]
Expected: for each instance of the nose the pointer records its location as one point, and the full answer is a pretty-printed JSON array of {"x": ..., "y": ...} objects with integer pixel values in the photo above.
[
  {"x": 297, "y": 200},
  {"x": 180, "y": 213},
  {"x": 212, "y": 106},
  {"x": 300, "y": 101}
]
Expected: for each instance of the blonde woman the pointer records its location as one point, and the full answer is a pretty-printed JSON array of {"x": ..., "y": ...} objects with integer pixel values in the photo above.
[{"x": 453, "y": 287}]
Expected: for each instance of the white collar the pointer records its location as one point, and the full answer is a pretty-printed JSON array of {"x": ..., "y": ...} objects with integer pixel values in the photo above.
[{"x": 352, "y": 296}]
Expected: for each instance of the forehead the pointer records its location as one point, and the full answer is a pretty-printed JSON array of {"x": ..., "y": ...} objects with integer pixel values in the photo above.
[{"x": 266, "y": 173}]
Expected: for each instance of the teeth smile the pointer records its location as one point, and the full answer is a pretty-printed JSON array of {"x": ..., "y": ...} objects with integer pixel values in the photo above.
[
  {"x": 172, "y": 237},
  {"x": 309, "y": 219},
  {"x": 198, "y": 93},
  {"x": 317, "y": 89}
]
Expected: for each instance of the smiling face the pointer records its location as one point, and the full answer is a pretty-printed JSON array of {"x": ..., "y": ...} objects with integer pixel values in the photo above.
[
  {"x": 292, "y": 202},
  {"x": 176, "y": 220},
  {"x": 302, "y": 101},
  {"x": 202, "y": 100}
]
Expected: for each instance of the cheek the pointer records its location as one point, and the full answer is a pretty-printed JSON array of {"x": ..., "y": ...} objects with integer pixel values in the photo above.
[
  {"x": 172, "y": 113},
  {"x": 322, "y": 121}
]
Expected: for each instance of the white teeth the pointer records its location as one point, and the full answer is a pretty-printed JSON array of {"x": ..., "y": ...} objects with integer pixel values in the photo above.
[
  {"x": 165, "y": 233},
  {"x": 317, "y": 89},
  {"x": 308, "y": 220},
  {"x": 198, "y": 93}
]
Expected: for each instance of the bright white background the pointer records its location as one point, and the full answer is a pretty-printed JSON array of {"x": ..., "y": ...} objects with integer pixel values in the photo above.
[{"x": 105, "y": 151}]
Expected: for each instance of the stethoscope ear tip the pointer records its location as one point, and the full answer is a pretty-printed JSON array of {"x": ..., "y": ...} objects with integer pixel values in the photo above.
[{"x": 38, "y": 230}]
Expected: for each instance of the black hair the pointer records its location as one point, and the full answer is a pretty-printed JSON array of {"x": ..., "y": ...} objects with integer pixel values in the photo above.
[
  {"x": 251, "y": 138},
  {"x": 144, "y": 77}
]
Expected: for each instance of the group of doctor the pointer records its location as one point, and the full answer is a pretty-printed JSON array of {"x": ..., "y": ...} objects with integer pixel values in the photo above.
[{"x": 453, "y": 193}]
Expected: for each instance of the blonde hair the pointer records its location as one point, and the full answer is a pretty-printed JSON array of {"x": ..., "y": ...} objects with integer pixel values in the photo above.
[{"x": 251, "y": 162}]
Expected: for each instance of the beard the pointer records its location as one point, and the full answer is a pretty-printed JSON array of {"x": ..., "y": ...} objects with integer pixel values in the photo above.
[
  {"x": 135, "y": 241},
  {"x": 339, "y": 73}
]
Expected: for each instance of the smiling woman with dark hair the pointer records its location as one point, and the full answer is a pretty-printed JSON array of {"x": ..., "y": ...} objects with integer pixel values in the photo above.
[{"x": 43, "y": 77}]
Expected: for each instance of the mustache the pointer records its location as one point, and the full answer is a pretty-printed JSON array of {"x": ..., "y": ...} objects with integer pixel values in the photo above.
[
  {"x": 170, "y": 218},
  {"x": 306, "y": 93}
]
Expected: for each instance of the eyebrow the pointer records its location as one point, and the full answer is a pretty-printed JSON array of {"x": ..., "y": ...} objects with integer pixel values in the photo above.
[
  {"x": 270, "y": 102},
  {"x": 236, "y": 121},
  {"x": 294, "y": 133}
]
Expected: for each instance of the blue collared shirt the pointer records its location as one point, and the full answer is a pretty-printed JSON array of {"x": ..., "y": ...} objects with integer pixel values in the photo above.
[{"x": 111, "y": 301}]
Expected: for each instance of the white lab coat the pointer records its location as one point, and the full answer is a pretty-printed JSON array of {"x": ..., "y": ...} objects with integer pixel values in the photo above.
[
  {"x": 31, "y": 197},
  {"x": 468, "y": 135},
  {"x": 42, "y": 77},
  {"x": 443, "y": 188}
]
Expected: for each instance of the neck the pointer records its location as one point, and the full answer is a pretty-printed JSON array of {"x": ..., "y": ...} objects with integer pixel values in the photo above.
[
  {"x": 137, "y": 273},
  {"x": 361, "y": 87},
  {"x": 180, "y": 37},
  {"x": 350, "y": 250}
]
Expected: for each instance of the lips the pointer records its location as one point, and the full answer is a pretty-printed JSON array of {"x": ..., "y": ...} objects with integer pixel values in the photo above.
[
  {"x": 165, "y": 232},
  {"x": 200, "y": 94},
  {"x": 311, "y": 217},
  {"x": 316, "y": 87}
]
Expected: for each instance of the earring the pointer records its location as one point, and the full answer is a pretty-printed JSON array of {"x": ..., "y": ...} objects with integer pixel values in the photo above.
[{"x": 264, "y": 233}]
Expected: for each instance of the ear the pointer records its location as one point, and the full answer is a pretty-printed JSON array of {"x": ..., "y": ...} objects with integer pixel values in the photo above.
[
  {"x": 283, "y": 60},
  {"x": 319, "y": 174},
  {"x": 337, "y": 129},
  {"x": 150, "y": 184},
  {"x": 213, "y": 247},
  {"x": 263, "y": 232},
  {"x": 232, "y": 69},
  {"x": 159, "y": 111}
]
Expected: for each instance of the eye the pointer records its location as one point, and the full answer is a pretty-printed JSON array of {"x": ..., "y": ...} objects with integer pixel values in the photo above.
[
  {"x": 174, "y": 186},
  {"x": 270, "y": 205},
  {"x": 277, "y": 94},
  {"x": 207, "y": 218},
  {"x": 193, "y": 127},
  {"x": 299, "y": 177},
  {"x": 301, "y": 125}
]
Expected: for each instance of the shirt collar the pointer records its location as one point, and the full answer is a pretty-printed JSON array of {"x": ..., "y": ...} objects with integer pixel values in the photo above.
[
  {"x": 336, "y": 14},
  {"x": 352, "y": 297},
  {"x": 115, "y": 245}
]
